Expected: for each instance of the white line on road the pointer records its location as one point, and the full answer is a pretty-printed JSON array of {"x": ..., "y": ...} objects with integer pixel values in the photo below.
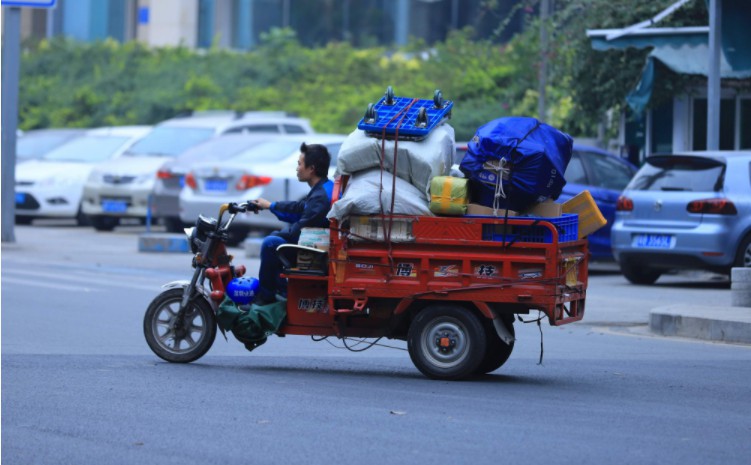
[
  {"x": 115, "y": 281},
  {"x": 37, "y": 283}
]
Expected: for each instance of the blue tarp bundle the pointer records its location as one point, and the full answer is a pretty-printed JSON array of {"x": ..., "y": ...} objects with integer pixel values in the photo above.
[{"x": 529, "y": 156}]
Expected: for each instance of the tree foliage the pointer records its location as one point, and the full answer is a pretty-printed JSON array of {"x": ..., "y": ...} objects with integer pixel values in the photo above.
[{"x": 66, "y": 83}]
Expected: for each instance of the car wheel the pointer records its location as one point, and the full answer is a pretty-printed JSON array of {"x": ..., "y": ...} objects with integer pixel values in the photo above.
[
  {"x": 173, "y": 225},
  {"x": 743, "y": 259},
  {"x": 81, "y": 219},
  {"x": 639, "y": 274},
  {"x": 104, "y": 223}
]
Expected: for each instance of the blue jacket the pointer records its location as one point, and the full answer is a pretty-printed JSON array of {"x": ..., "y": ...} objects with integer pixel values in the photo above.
[{"x": 307, "y": 213}]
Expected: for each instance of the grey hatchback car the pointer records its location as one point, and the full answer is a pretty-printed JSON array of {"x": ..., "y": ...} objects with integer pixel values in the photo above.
[{"x": 687, "y": 210}]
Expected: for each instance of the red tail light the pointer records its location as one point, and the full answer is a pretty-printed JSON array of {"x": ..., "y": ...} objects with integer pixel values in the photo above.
[
  {"x": 164, "y": 174},
  {"x": 248, "y": 181},
  {"x": 624, "y": 204},
  {"x": 715, "y": 206},
  {"x": 190, "y": 181}
]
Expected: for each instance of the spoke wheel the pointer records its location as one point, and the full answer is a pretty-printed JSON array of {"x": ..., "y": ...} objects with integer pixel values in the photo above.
[
  {"x": 175, "y": 339},
  {"x": 744, "y": 253},
  {"x": 446, "y": 342}
]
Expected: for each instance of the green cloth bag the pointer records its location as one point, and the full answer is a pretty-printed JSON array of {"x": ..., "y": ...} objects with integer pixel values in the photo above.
[
  {"x": 253, "y": 325},
  {"x": 448, "y": 195}
]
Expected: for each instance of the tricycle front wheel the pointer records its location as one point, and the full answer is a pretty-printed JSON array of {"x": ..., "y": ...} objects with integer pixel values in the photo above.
[
  {"x": 446, "y": 342},
  {"x": 175, "y": 339}
]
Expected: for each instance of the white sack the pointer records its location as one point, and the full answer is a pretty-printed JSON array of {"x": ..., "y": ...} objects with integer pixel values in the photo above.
[
  {"x": 417, "y": 162},
  {"x": 361, "y": 197}
]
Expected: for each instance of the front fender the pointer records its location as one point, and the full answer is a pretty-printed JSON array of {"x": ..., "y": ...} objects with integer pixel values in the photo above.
[{"x": 182, "y": 284}]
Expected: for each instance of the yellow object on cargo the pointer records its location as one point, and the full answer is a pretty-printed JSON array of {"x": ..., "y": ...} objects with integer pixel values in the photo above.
[
  {"x": 590, "y": 217},
  {"x": 448, "y": 195}
]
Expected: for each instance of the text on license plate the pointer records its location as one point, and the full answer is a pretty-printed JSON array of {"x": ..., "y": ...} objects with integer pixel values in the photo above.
[
  {"x": 114, "y": 206},
  {"x": 654, "y": 241},
  {"x": 216, "y": 185}
]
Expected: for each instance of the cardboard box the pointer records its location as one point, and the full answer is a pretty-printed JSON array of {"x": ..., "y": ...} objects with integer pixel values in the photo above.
[
  {"x": 546, "y": 209},
  {"x": 481, "y": 210},
  {"x": 448, "y": 195},
  {"x": 371, "y": 227},
  {"x": 590, "y": 217}
]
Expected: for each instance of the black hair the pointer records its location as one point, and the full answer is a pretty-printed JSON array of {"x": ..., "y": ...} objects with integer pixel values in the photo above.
[{"x": 316, "y": 155}]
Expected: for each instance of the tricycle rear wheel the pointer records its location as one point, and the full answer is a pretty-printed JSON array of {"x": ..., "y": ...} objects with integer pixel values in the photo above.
[
  {"x": 179, "y": 340},
  {"x": 446, "y": 342},
  {"x": 497, "y": 352}
]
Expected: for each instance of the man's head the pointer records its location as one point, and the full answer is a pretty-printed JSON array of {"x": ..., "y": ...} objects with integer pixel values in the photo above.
[{"x": 313, "y": 163}]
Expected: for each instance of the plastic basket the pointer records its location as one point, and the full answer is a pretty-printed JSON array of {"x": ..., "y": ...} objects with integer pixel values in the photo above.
[
  {"x": 567, "y": 225},
  {"x": 408, "y": 129}
]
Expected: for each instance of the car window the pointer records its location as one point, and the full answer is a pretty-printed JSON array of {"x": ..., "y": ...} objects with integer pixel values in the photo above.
[
  {"x": 262, "y": 128},
  {"x": 89, "y": 149},
  {"x": 575, "y": 170},
  {"x": 293, "y": 129},
  {"x": 268, "y": 152},
  {"x": 606, "y": 171},
  {"x": 32, "y": 145},
  {"x": 676, "y": 173},
  {"x": 169, "y": 141},
  {"x": 334, "y": 151}
]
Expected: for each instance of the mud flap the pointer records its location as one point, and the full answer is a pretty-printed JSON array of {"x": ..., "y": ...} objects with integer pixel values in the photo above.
[{"x": 502, "y": 331}]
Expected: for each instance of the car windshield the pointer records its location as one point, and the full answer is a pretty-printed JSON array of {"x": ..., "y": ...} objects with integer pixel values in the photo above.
[
  {"x": 607, "y": 172},
  {"x": 218, "y": 149},
  {"x": 169, "y": 141},
  {"x": 268, "y": 152},
  {"x": 35, "y": 145},
  {"x": 90, "y": 149},
  {"x": 676, "y": 173}
]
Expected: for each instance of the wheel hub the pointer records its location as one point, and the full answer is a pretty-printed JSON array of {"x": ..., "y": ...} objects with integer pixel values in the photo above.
[{"x": 445, "y": 342}]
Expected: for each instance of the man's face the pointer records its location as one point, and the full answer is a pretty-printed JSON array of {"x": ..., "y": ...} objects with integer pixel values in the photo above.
[{"x": 304, "y": 173}]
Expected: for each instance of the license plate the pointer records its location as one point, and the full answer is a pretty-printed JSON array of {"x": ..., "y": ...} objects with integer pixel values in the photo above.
[
  {"x": 20, "y": 198},
  {"x": 182, "y": 181},
  {"x": 216, "y": 185},
  {"x": 654, "y": 241},
  {"x": 114, "y": 206}
]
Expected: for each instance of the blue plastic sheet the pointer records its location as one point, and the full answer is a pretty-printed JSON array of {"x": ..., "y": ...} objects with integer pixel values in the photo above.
[{"x": 529, "y": 157}]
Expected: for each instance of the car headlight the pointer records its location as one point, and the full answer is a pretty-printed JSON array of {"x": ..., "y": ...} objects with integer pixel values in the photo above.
[{"x": 95, "y": 176}]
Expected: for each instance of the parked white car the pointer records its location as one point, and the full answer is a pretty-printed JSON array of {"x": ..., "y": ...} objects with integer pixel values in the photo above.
[
  {"x": 123, "y": 188},
  {"x": 265, "y": 170},
  {"x": 52, "y": 186}
]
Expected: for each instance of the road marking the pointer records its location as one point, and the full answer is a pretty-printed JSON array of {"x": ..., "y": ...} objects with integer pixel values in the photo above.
[
  {"x": 115, "y": 281},
  {"x": 48, "y": 285}
]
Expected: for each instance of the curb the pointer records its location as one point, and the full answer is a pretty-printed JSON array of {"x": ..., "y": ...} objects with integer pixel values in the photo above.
[
  {"x": 725, "y": 324},
  {"x": 163, "y": 242}
]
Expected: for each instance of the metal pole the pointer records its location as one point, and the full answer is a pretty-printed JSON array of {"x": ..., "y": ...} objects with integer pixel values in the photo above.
[
  {"x": 11, "y": 64},
  {"x": 713, "y": 76},
  {"x": 542, "y": 73}
]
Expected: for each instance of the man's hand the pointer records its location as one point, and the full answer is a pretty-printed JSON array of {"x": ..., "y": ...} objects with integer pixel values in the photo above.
[{"x": 263, "y": 204}]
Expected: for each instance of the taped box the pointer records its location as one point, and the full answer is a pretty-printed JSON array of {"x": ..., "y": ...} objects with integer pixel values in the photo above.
[
  {"x": 448, "y": 195},
  {"x": 474, "y": 209},
  {"x": 371, "y": 228}
]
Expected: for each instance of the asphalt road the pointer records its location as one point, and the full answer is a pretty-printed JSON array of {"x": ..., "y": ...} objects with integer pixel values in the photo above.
[{"x": 80, "y": 385}]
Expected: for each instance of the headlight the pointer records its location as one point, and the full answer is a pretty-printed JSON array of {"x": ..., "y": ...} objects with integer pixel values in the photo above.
[
  {"x": 95, "y": 177},
  {"x": 199, "y": 234}
]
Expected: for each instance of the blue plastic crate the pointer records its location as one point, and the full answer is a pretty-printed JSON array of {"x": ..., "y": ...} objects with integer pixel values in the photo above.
[
  {"x": 567, "y": 225},
  {"x": 388, "y": 117}
]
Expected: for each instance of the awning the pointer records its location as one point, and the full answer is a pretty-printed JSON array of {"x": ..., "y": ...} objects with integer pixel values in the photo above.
[{"x": 682, "y": 59}]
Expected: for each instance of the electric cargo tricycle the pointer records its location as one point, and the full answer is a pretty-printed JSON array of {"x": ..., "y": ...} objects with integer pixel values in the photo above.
[{"x": 451, "y": 287}]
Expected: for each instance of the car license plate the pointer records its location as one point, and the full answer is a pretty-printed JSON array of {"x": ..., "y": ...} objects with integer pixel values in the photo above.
[
  {"x": 182, "y": 181},
  {"x": 654, "y": 241},
  {"x": 114, "y": 206},
  {"x": 20, "y": 198},
  {"x": 216, "y": 185}
]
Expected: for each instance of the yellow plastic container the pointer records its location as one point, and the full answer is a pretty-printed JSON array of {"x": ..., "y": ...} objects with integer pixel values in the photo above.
[{"x": 590, "y": 217}]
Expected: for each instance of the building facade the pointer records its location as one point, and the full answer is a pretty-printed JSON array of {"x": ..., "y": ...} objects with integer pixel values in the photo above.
[{"x": 240, "y": 24}]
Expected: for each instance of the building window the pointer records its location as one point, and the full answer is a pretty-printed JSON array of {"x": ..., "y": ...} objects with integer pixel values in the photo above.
[
  {"x": 727, "y": 124},
  {"x": 662, "y": 129},
  {"x": 744, "y": 127}
]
